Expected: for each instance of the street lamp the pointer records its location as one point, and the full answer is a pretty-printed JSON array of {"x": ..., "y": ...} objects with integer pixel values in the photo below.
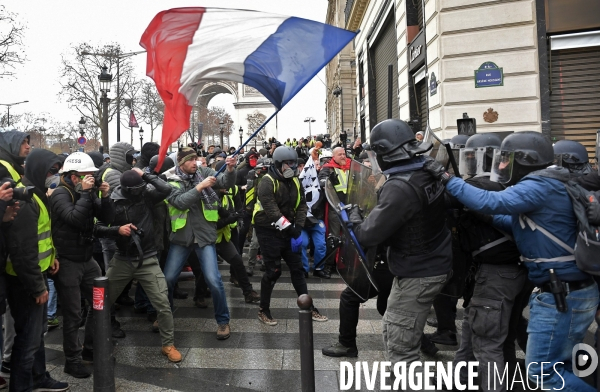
[
  {"x": 105, "y": 79},
  {"x": 8, "y": 105},
  {"x": 241, "y": 134},
  {"x": 222, "y": 125},
  {"x": 81, "y": 126},
  {"x": 141, "y": 131},
  {"x": 118, "y": 57},
  {"x": 309, "y": 120}
]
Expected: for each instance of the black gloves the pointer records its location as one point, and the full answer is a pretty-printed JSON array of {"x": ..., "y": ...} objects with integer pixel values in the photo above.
[
  {"x": 593, "y": 213},
  {"x": 481, "y": 217},
  {"x": 355, "y": 215},
  {"x": 438, "y": 171},
  {"x": 223, "y": 213},
  {"x": 293, "y": 231}
]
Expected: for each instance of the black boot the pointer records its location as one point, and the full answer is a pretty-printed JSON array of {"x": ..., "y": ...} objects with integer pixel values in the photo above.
[{"x": 339, "y": 350}]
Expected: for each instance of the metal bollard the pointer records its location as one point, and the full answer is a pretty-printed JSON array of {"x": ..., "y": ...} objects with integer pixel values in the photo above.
[
  {"x": 307, "y": 359},
  {"x": 104, "y": 363}
]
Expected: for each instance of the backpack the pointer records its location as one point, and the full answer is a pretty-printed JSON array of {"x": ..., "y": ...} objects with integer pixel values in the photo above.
[{"x": 587, "y": 245}]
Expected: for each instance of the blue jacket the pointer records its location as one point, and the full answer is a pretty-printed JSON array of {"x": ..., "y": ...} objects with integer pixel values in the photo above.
[{"x": 546, "y": 202}]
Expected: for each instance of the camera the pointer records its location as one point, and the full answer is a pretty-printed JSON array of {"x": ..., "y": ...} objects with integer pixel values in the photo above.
[
  {"x": 19, "y": 193},
  {"x": 139, "y": 232}
]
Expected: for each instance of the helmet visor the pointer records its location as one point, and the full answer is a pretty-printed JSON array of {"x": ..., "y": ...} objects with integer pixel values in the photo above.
[
  {"x": 472, "y": 161},
  {"x": 502, "y": 166},
  {"x": 373, "y": 160}
]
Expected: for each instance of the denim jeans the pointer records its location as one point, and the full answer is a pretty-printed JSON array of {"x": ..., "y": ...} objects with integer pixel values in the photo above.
[
  {"x": 553, "y": 334},
  {"x": 207, "y": 256},
  {"x": 28, "y": 355},
  {"x": 52, "y": 299},
  {"x": 317, "y": 234}
]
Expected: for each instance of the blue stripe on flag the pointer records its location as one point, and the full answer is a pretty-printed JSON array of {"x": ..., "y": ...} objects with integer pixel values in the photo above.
[{"x": 292, "y": 56}]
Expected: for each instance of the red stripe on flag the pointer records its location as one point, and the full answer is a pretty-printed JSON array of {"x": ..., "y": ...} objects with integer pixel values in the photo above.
[{"x": 166, "y": 41}]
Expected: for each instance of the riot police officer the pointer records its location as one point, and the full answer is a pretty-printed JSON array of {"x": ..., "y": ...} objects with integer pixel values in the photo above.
[
  {"x": 410, "y": 219},
  {"x": 572, "y": 155}
]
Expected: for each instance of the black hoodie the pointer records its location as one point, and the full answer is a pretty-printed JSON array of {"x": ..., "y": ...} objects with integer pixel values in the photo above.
[
  {"x": 22, "y": 237},
  {"x": 10, "y": 145},
  {"x": 149, "y": 150}
]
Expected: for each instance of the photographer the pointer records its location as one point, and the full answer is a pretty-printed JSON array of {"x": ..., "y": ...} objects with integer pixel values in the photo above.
[
  {"x": 135, "y": 257},
  {"x": 75, "y": 204}
]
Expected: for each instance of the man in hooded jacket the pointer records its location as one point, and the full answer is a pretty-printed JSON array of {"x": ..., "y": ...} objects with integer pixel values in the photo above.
[
  {"x": 149, "y": 150},
  {"x": 31, "y": 255}
]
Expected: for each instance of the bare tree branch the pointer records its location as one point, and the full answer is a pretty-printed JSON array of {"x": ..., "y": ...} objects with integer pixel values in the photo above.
[{"x": 11, "y": 42}]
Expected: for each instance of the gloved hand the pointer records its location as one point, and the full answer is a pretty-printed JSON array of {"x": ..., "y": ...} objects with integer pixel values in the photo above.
[
  {"x": 355, "y": 215},
  {"x": 230, "y": 219},
  {"x": 223, "y": 213},
  {"x": 482, "y": 217},
  {"x": 438, "y": 171},
  {"x": 593, "y": 213},
  {"x": 296, "y": 244},
  {"x": 293, "y": 231}
]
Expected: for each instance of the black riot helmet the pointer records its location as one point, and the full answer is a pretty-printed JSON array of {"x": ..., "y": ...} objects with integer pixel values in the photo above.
[
  {"x": 477, "y": 154},
  {"x": 459, "y": 141},
  {"x": 393, "y": 141},
  {"x": 573, "y": 156},
  {"x": 285, "y": 155},
  {"x": 520, "y": 154}
]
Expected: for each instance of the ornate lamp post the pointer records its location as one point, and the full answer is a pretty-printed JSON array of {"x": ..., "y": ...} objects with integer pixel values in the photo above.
[
  {"x": 241, "y": 135},
  {"x": 105, "y": 80},
  {"x": 141, "y": 131},
  {"x": 81, "y": 130}
]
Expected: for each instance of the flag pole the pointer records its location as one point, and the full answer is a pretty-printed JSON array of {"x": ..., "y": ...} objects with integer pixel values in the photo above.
[{"x": 248, "y": 141}]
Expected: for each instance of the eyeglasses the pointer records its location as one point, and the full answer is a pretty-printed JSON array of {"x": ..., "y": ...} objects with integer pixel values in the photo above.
[{"x": 53, "y": 170}]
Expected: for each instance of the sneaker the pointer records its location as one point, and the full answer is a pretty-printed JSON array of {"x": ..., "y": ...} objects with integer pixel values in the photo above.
[
  {"x": 321, "y": 274},
  {"x": 125, "y": 300},
  {"x": 316, "y": 316},
  {"x": 50, "y": 384},
  {"x": 152, "y": 316},
  {"x": 77, "y": 370},
  {"x": 87, "y": 355},
  {"x": 53, "y": 323},
  {"x": 199, "y": 302},
  {"x": 171, "y": 353},
  {"x": 339, "y": 350},
  {"x": 265, "y": 317},
  {"x": 223, "y": 332},
  {"x": 432, "y": 322},
  {"x": 428, "y": 348},
  {"x": 155, "y": 328},
  {"x": 5, "y": 369},
  {"x": 446, "y": 338},
  {"x": 233, "y": 279},
  {"x": 252, "y": 297},
  {"x": 250, "y": 271},
  {"x": 117, "y": 332}
]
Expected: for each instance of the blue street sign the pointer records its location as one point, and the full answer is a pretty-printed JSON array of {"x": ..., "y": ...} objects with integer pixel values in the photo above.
[{"x": 489, "y": 75}]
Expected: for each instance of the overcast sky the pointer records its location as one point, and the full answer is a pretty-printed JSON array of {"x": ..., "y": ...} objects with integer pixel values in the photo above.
[{"x": 54, "y": 26}]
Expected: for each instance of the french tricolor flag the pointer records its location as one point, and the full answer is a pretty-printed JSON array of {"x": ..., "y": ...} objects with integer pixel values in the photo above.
[{"x": 275, "y": 54}]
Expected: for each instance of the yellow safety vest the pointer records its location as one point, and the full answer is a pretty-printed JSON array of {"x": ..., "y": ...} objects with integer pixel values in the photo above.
[
  {"x": 46, "y": 251},
  {"x": 11, "y": 170},
  {"x": 258, "y": 207},
  {"x": 226, "y": 230},
  {"x": 342, "y": 185},
  {"x": 179, "y": 217}
]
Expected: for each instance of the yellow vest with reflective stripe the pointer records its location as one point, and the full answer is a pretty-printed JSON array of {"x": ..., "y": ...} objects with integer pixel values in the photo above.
[
  {"x": 46, "y": 251},
  {"x": 179, "y": 217},
  {"x": 258, "y": 207},
  {"x": 342, "y": 185},
  {"x": 11, "y": 170},
  {"x": 226, "y": 230}
]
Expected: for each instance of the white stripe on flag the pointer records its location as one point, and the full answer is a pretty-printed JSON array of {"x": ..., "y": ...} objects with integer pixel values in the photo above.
[{"x": 223, "y": 41}]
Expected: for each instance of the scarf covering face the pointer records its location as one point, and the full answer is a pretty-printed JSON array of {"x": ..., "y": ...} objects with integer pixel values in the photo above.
[{"x": 207, "y": 195}]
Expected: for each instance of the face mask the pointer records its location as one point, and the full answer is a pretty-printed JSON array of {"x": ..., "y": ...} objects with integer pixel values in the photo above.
[
  {"x": 288, "y": 171},
  {"x": 52, "y": 181},
  {"x": 137, "y": 191},
  {"x": 79, "y": 187}
]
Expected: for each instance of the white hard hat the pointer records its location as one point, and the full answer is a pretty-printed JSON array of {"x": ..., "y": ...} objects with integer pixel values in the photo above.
[{"x": 79, "y": 162}]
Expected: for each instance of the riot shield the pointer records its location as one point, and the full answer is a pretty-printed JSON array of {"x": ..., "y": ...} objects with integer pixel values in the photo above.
[
  {"x": 352, "y": 263},
  {"x": 442, "y": 152}
]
